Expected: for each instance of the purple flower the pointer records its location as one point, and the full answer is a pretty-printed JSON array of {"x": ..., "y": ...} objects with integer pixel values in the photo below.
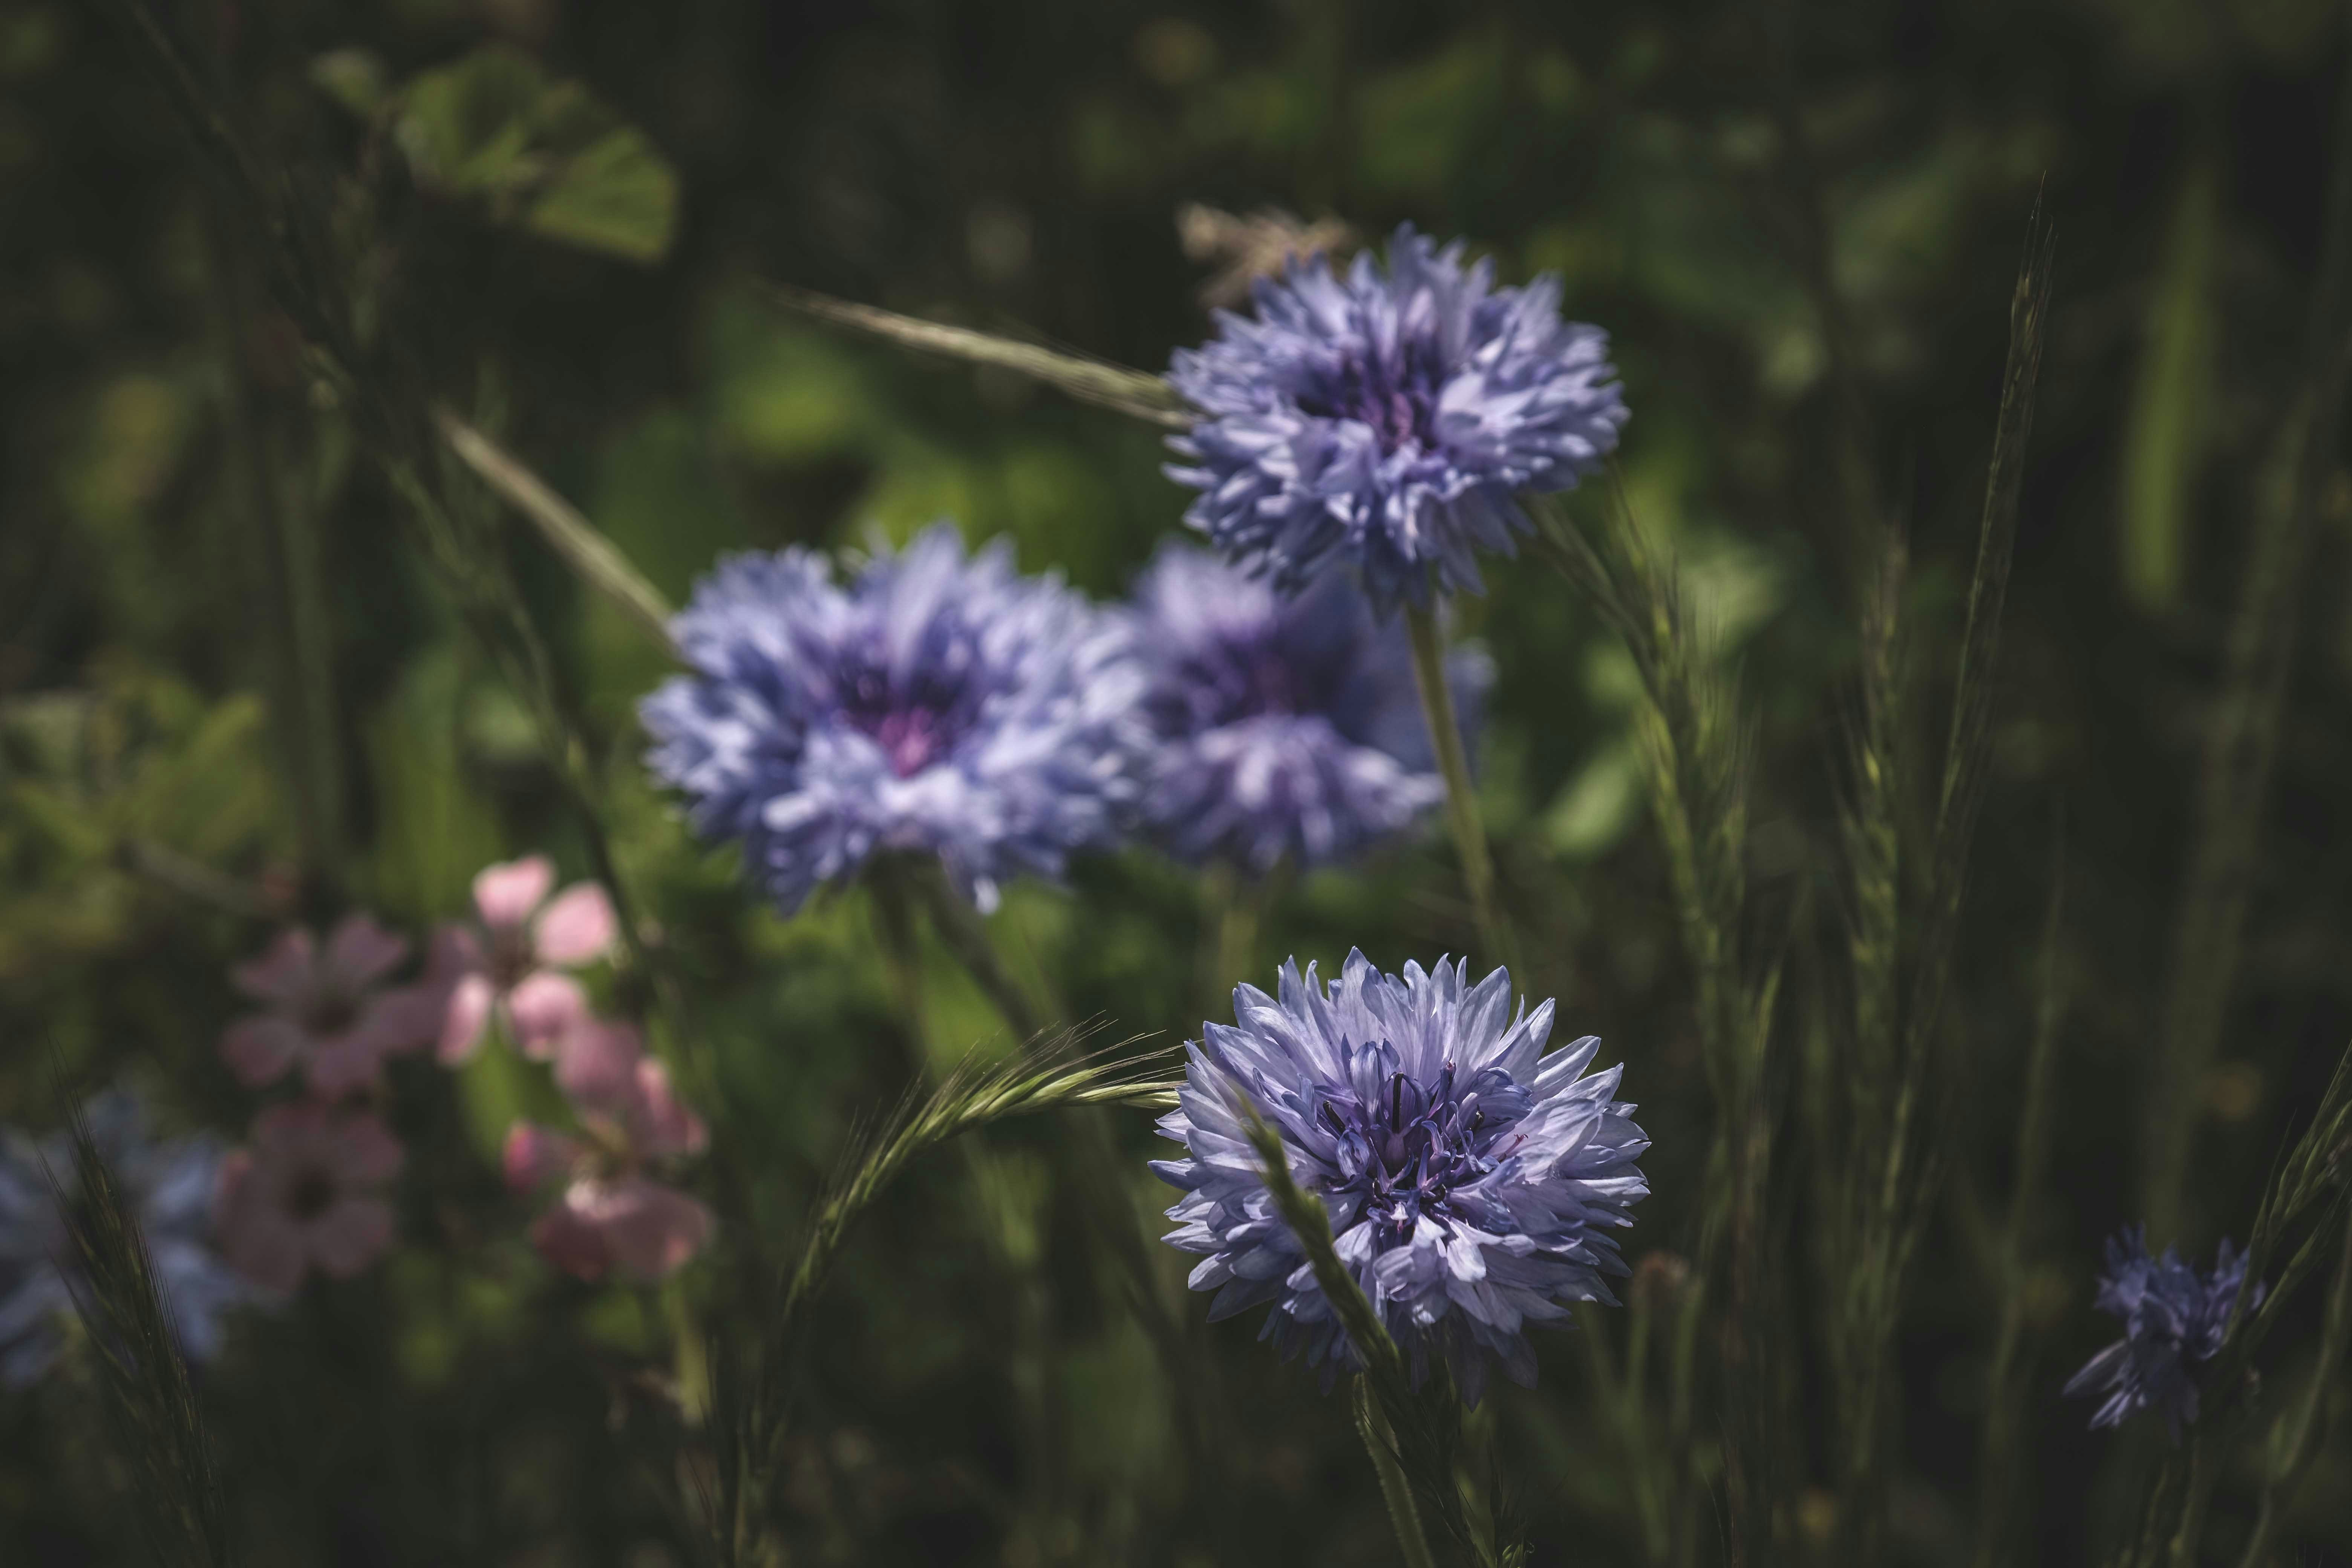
[
  {"x": 169, "y": 1185},
  {"x": 2174, "y": 1321},
  {"x": 937, "y": 703},
  {"x": 1390, "y": 419},
  {"x": 1288, "y": 727},
  {"x": 1472, "y": 1182}
]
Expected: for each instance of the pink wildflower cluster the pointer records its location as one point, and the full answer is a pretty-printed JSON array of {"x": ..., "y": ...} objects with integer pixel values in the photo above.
[
  {"x": 312, "y": 1188},
  {"x": 512, "y": 969}
]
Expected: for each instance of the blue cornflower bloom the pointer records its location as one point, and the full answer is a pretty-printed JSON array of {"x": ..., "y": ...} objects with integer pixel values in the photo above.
[
  {"x": 169, "y": 1185},
  {"x": 1288, "y": 727},
  {"x": 1389, "y": 419},
  {"x": 1472, "y": 1181},
  {"x": 2174, "y": 1321},
  {"x": 937, "y": 703}
]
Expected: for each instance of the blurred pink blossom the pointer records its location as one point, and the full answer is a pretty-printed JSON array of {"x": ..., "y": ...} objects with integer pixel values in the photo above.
[
  {"x": 308, "y": 1193},
  {"x": 513, "y": 963},
  {"x": 325, "y": 1009},
  {"x": 631, "y": 1225},
  {"x": 612, "y": 1218}
]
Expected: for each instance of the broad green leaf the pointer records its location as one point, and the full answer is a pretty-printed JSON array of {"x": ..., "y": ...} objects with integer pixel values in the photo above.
[{"x": 542, "y": 155}]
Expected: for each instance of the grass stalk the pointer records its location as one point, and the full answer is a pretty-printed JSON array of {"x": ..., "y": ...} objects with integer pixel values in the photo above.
[
  {"x": 2302, "y": 1429},
  {"x": 2241, "y": 744},
  {"x": 159, "y": 1437},
  {"x": 1046, "y": 1077},
  {"x": 1134, "y": 393},
  {"x": 2000, "y": 1463},
  {"x": 1462, "y": 814},
  {"x": 590, "y": 555},
  {"x": 1426, "y": 1427},
  {"x": 1404, "y": 1519}
]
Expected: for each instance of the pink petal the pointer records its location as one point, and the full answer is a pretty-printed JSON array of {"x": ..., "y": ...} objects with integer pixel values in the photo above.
[
  {"x": 289, "y": 1121},
  {"x": 542, "y": 1008},
  {"x": 265, "y": 1248},
  {"x": 506, "y": 893},
  {"x": 660, "y": 1125},
  {"x": 282, "y": 971},
  {"x": 577, "y": 927},
  {"x": 650, "y": 1230},
  {"x": 596, "y": 1065},
  {"x": 394, "y": 1023},
  {"x": 536, "y": 1155},
  {"x": 362, "y": 952},
  {"x": 571, "y": 1243},
  {"x": 351, "y": 1235},
  {"x": 344, "y": 1066},
  {"x": 259, "y": 1048},
  {"x": 366, "y": 1153},
  {"x": 465, "y": 1017}
]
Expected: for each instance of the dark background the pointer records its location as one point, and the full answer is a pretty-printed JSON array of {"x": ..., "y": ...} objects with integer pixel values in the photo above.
[{"x": 1018, "y": 167}]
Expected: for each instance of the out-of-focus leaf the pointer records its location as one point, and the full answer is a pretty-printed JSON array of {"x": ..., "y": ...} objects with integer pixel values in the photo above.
[
  {"x": 617, "y": 196},
  {"x": 434, "y": 831},
  {"x": 353, "y": 78},
  {"x": 2164, "y": 442},
  {"x": 542, "y": 155}
]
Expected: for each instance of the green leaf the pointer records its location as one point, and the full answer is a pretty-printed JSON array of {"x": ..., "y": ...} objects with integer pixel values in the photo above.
[
  {"x": 618, "y": 196},
  {"x": 541, "y": 155}
]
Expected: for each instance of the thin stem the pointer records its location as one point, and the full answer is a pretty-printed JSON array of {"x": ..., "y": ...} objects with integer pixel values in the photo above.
[
  {"x": 1461, "y": 813},
  {"x": 2006, "y": 1383},
  {"x": 560, "y": 524},
  {"x": 1403, "y": 1518},
  {"x": 2304, "y": 1429},
  {"x": 966, "y": 935}
]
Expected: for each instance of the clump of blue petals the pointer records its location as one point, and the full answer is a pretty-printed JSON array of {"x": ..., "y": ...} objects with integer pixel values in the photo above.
[
  {"x": 168, "y": 1185},
  {"x": 1472, "y": 1181},
  {"x": 937, "y": 703},
  {"x": 2175, "y": 1319},
  {"x": 1288, "y": 727},
  {"x": 1389, "y": 419}
]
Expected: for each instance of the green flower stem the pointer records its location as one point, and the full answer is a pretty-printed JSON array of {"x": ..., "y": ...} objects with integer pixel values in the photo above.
[
  {"x": 1462, "y": 814},
  {"x": 1403, "y": 1518}
]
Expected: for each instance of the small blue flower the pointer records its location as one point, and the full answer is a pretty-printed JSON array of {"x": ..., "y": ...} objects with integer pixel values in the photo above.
[
  {"x": 2175, "y": 1319},
  {"x": 1389, "y": 418},
  {"x": 1288, "y": 727},
  {"x": 1472, "y": 1181},
  {"x": 937, "y": 703},
  {"x": 168, "y": 1185}
]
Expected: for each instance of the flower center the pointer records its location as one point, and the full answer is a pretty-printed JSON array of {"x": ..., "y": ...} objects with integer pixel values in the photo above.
[
  {"x": 510, "y": 955},
  {"x": 914, "y": 726},
  {"x": 312, "y": 1194},
  {"x": 330, "y": 1010},
  {"x": 1412, "y": 1150},
  {"x": 1397, "y": 400}
]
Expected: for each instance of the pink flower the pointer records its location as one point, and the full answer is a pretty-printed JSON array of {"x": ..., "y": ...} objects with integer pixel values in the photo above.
[
  {"x": 324, "y": 1009},
  {"x": 308, "y": 1193},
  {"x": 612, "y": 1218},
  {"x": 627, "y": 1224},
  {"x": 513, "y": 965}
]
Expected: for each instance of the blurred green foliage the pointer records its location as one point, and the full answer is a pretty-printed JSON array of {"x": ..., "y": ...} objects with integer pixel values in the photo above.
[{"x": 564, "y": 209}]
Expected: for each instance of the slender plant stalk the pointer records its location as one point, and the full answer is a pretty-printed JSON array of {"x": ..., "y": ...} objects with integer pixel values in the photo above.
[
  {"x": 570, "y": 535},
  {"x": 759, "y": 1380},
  {"x": 159, "y": 1435},
  {"x": 2241, "y": 743},
  {"x": 2302, "y": 1429},
  {"x": 1462, "y": 814},
  {"x": 1134, "y": 393},
  {"x": 1695, "y": 753},
  {"x": 1427, "y": 1426},
  {"x": 2001, "y": 1462},
  {"x": 291, "y": 596},
  {"x": 1395, "y": 1490}
]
